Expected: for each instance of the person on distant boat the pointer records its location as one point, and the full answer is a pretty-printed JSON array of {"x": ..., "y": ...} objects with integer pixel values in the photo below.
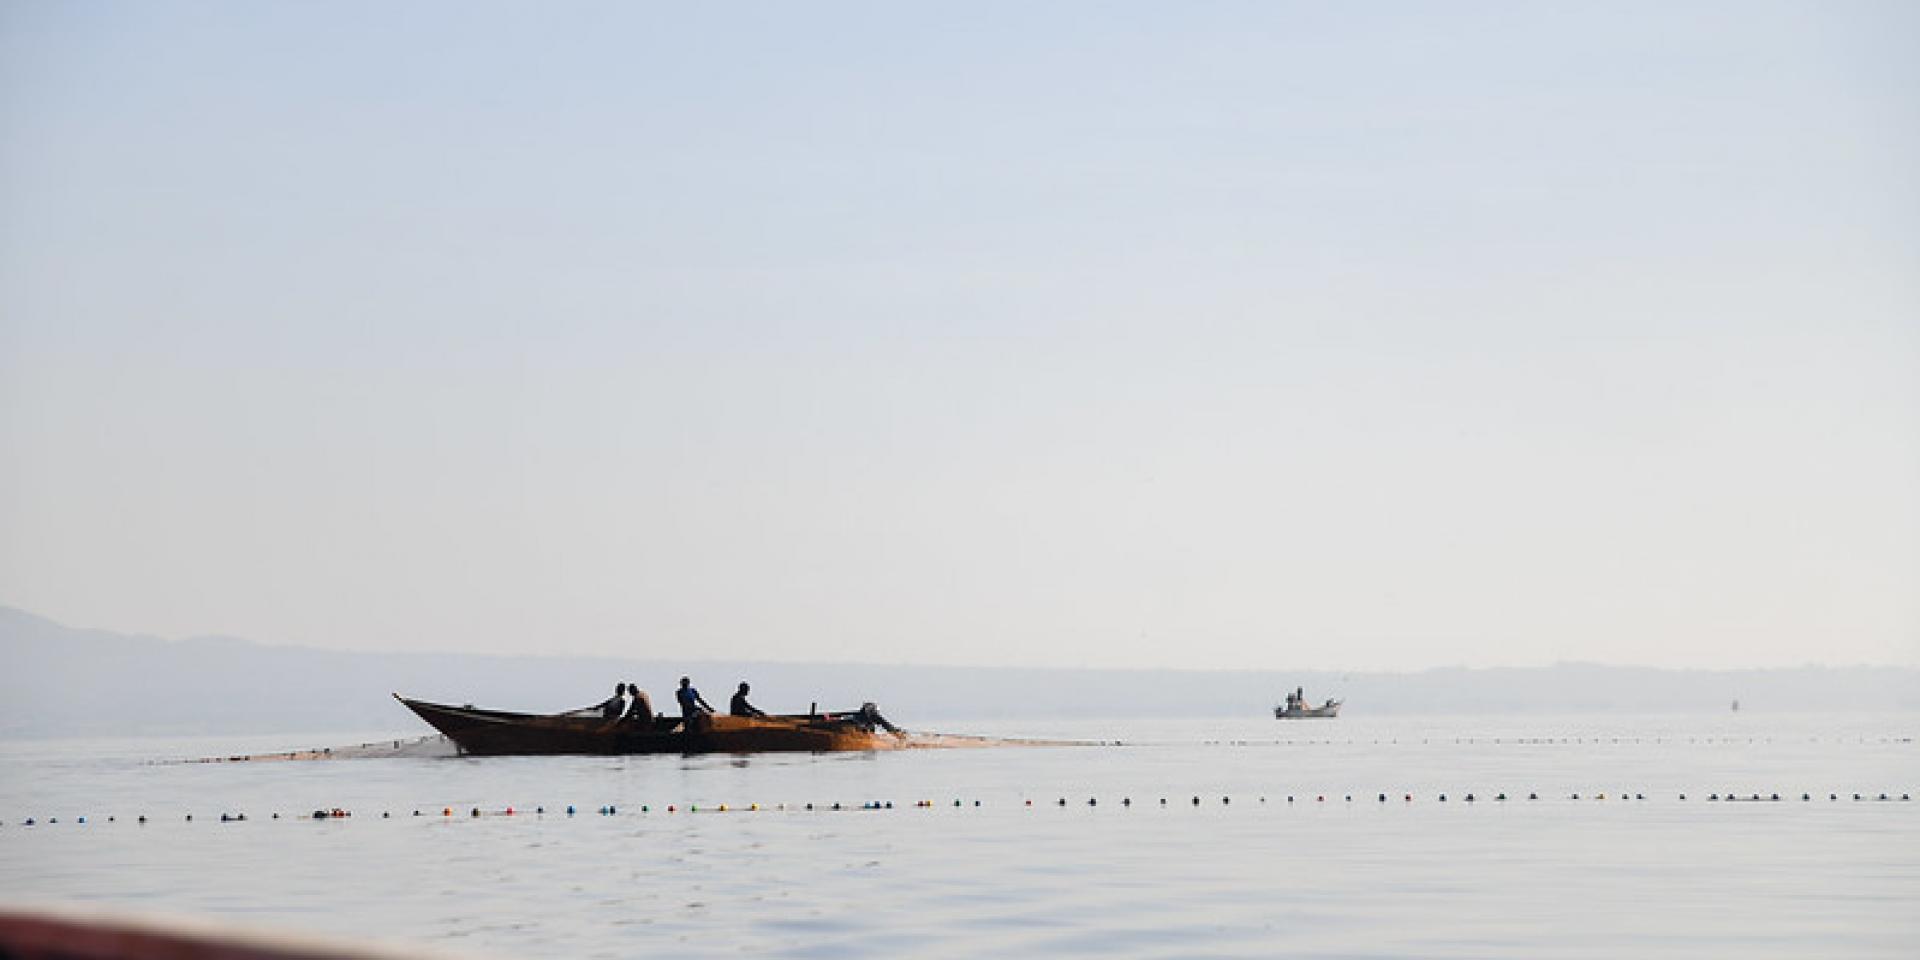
[
  {"x": 614, "y": 706},
  {"x": 740, "y": 707},
  {"x": 691, "y": 703},
  {"x": 640, "y": 707}
]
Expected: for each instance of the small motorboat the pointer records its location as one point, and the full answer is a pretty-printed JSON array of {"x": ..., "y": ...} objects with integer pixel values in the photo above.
[{"x": 1296, "y": 708}]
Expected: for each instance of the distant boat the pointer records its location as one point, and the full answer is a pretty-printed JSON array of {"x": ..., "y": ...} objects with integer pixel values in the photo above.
[
  {"x": 1296, "y": 708},
  {"x": 501, "y": 733}
]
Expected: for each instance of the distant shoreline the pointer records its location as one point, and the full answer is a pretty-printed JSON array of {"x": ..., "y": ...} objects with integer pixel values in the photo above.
[{"x": 66, "y": 682}]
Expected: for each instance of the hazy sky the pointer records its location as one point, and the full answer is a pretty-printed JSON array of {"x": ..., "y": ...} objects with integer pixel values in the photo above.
[{"x": 1173, "y": 334}]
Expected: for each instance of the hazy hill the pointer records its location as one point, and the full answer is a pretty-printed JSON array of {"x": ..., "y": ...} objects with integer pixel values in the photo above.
[{"x": 58, "y": 680}]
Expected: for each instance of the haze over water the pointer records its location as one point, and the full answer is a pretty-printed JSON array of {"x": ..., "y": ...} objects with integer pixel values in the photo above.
[
  {"x": 1129, "y": 334},
  {"x": 1255, "y": 876}
]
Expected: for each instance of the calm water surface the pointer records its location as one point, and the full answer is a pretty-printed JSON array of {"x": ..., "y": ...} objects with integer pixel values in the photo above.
[{"x": 1256, "y": 876}]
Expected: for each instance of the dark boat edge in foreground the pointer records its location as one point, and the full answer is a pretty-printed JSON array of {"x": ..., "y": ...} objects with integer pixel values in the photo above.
[{"x": 503, "y": 733}]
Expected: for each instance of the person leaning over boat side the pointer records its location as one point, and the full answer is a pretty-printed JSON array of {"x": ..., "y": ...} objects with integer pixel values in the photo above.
[
  {"x": 691, "y": 703},
  {"x": 641, "y": 708},
  {"x": 740, "y": 707},
  {"x": 612, "y": 707}
]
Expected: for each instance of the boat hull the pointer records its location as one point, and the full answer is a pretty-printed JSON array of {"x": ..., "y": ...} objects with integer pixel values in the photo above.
[
  {"x": 501, "y": 733},
  {"x": 1307, "y": 713}
]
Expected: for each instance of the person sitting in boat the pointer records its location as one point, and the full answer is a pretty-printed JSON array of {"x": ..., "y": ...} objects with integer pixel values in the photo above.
[
  {"x": 691, "y": 703},
  {"x": 614, "y": 706},
  {"x": 640, "y": 707},
  {"x": 740, "y": 707}
]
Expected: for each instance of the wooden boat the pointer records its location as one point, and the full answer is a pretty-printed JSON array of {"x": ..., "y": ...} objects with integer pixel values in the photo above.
[
  {"x": 501, "y": 733},
  {"x": 87, "y": 932},
  {"x": 1298, "y": 710}
]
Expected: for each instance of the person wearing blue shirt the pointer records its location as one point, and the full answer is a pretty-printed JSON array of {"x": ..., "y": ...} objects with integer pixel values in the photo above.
[{"x": 691, "y": 703}]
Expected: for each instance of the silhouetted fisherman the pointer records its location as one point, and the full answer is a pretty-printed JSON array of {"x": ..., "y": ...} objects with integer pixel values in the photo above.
[
  {"x": 740, "y": 707},
  {"x": 614, "y": 706},
  {"x": 691, "y": 703},
  {"x": 641, "y": 707}
]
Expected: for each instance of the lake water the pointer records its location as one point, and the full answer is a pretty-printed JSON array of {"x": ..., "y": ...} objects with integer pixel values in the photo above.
[{"x": 1254, "y": 876}]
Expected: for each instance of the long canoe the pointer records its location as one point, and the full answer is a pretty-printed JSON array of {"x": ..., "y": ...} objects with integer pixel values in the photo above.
[{"x": 502, "y": 733}]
